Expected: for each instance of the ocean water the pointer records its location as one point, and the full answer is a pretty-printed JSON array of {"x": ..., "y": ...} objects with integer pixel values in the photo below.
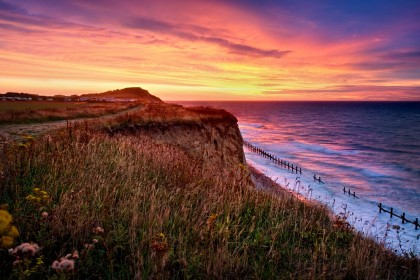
[{"x": 371, "y": 148}]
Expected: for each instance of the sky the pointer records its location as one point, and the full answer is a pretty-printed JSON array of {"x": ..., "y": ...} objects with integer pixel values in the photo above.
[{"x": 213, "y": 49}]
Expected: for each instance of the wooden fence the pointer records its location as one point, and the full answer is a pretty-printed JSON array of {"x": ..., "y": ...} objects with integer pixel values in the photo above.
[
  {"x": 276, "y": 160},
  {"x": 402, "y": 217}
]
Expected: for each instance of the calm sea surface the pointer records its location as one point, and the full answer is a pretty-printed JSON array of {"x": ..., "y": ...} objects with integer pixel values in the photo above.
[{"x": 373, "y": 148}]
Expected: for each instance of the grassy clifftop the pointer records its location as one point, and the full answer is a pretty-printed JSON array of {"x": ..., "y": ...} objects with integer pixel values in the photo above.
[{"x": 165, "y": 193}]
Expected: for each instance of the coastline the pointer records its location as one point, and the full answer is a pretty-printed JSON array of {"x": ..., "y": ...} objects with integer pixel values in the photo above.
[
  {"x": 174, "y": 197},
  {"x": 265, "y": 183}
]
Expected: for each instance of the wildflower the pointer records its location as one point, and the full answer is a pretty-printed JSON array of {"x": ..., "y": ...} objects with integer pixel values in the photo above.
[
  {"x": 160, "y": 244},
  {"x": 6, "y": 241},
  {"x": 95, "y": 240},
  {"x": 63, "y": 265},
  {"x": 75, "y": 254},
  {"x": 38, "y": 197},
  {"x": 44, "y": 214},
  {"x": 5, "y": 219},
  {"x": 211, "y": 220},
  {"x": 89, "y": 246},
  {"x": 8, "y": 232},
  {"x": 26, "y": 249},
  {"x": 98, "y": 230}
]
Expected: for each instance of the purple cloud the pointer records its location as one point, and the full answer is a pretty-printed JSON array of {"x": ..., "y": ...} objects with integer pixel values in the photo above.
[{"x": 189, "y": 32}]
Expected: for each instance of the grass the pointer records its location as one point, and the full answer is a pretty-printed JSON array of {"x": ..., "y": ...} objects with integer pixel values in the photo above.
[
  {"x": 167, "y": 214},
  {"x": 14, "y": 112},
  {"x": 172, "y": 114},
  {"x": 35, "y": 105}
]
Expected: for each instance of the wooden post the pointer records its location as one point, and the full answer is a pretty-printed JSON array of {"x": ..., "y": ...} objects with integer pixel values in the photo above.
[{"x": 391, "y": 212}]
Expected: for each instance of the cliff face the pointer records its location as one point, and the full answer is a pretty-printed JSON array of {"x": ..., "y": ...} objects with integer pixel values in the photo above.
[
  {"x": 215, "y": 143},
  {"x": 206, "y": 134}
]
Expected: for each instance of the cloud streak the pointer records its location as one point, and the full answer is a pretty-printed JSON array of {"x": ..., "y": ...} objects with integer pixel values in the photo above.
[{"x": 185, "y": 32}]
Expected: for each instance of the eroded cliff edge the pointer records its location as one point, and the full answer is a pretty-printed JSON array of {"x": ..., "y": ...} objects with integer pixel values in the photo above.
[{"x": 208, "y": 134}]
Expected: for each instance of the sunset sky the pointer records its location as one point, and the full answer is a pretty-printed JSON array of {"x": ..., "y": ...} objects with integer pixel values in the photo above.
[{"x": 213, "y": 50}]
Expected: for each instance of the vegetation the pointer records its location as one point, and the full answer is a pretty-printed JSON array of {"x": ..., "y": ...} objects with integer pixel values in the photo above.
[
  {"x": 170, "y": 114},
  {"x": 137, "y": 93},
  {"x": 133, "y": 92},
  {"x": 12, "y": 112},
  {"x": 88, "y": 203}
]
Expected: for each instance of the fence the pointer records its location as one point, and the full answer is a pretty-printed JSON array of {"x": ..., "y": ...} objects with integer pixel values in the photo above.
[
  {"x": 349, "y": 192},
  {"x": 276, "y": 160},
  {"x": 402, "y": 217}
]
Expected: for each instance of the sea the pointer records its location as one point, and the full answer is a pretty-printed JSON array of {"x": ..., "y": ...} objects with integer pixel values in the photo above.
[{"x": 371, "y": 149}]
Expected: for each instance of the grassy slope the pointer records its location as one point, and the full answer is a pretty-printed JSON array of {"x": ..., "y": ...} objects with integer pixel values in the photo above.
[
  {"x": 167, "y": 214},
  {"x": 14, "y": 112},
  {"x": 133, "y": 92}
]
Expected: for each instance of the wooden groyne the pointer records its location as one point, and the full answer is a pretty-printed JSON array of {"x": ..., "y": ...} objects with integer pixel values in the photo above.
[
  {"x": 402, "y": 216},
  {"x": 295, "y": 168},
  {"x": 278, "y": 161},
  {"x": 348, "y": 191}
]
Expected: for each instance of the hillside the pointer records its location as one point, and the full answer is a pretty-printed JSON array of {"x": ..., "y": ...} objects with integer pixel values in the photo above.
[
  {"x": 126, "y": 93},
  {"x": 136, "y": 93}
]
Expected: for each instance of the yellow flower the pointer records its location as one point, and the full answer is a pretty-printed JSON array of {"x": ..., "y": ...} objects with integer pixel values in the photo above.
[
  {"x": 13, "y": 232},
  {"x": 211, "y": 220},
  {"x": 5, "y": 220},
  {"x": 8, "y": 232},
  {"x": 6, "y": 242}
]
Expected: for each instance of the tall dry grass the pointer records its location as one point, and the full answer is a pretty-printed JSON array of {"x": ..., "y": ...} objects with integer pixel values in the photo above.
[
  {"x": 62, "y": 111},
  {"x": 166, "y": 214}
]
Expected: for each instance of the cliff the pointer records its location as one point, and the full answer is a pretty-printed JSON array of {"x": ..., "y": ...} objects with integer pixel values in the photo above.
[{"x": 207, "y": 134}]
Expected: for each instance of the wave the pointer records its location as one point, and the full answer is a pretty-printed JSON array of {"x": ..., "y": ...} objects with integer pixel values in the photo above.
[{"x": 318, "y": 148}]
